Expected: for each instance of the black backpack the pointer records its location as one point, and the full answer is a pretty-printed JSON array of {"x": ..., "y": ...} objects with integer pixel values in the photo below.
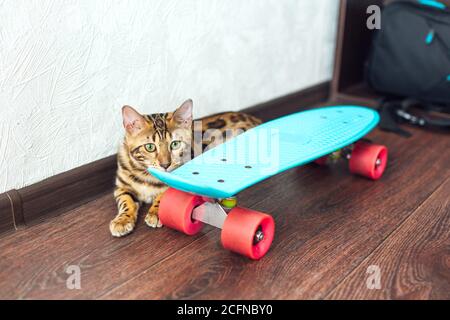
[{"x": 410, "y": 54}]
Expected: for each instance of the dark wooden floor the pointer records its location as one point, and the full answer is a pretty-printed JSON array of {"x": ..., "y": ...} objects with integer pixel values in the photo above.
[{"x": 331, "y": 226}]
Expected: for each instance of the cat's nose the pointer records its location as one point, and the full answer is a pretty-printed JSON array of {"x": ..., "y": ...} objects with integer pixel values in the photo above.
[{"x": 165, "y": 165}]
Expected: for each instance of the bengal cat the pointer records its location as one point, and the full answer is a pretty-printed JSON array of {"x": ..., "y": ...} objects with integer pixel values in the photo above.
[{"x": 163, "y": 141}]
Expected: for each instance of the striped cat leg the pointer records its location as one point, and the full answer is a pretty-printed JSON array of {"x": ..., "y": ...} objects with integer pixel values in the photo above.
[
  {"x": 128, "y": 207},
  {"x": 152, "y": 219}
]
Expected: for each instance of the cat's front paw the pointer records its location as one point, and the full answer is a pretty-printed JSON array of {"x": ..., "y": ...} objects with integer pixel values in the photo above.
[
  {"x": 152, "y": 220},
  {"x": 121, "y": 226}
]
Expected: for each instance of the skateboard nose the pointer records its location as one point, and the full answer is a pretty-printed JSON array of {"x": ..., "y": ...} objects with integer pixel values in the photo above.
[{"x": 165, "y": 165}]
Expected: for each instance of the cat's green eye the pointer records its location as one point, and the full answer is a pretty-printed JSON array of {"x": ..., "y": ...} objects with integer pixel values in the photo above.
[
  {"x": 175, "y": 145},
  {"x": 150, "y": 147}
]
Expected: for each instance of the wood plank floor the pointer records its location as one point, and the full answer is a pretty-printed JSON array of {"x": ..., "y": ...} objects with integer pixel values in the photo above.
[{"x": 330, "y": 227}]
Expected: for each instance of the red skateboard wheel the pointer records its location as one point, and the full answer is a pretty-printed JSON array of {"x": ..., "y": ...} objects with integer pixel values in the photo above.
[
  {"x": 175, "y": 211},
  {"x": 368, "y": 160},
  {"x": 248, "y": 232}
]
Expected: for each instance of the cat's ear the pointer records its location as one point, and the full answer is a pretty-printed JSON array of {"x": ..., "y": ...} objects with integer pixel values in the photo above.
[
  {"x": 133, "y": 121},
  {"x": 183, "y": 115}
]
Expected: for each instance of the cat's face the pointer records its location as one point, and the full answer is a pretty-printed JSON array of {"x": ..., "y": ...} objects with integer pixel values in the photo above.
[{"x": 160, "y": 141}]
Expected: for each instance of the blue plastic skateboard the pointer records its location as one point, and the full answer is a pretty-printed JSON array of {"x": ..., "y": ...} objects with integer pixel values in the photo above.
[{"x": 204, "y": 189}]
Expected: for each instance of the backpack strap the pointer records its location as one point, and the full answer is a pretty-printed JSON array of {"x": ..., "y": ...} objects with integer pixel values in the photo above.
[
  {"x": 393, "y": 112},
  {"x": 405, "y": 113}
]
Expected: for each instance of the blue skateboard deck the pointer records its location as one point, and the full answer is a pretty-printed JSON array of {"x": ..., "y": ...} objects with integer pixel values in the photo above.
[{"x": 269, "y": 149}]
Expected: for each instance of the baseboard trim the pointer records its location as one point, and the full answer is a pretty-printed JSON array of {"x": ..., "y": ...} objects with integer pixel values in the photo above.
[
  {"x": 55, "y": 195},
  {"x": 68, "y": 190}
]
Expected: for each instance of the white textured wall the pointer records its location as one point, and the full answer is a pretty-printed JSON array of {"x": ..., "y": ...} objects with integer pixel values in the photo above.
[{"x": 67, "y": 67}]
